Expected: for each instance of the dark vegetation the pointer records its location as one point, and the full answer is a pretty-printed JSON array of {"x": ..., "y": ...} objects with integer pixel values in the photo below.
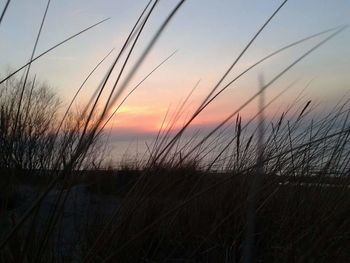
[{"x": 280, "y": 193}]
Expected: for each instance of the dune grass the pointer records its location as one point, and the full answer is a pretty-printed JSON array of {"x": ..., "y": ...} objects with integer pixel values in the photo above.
[{"x": 279, "y": 193}]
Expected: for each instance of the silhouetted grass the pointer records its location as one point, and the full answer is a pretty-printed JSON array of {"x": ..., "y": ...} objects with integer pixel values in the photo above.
[{"x": 189, "y": 200}]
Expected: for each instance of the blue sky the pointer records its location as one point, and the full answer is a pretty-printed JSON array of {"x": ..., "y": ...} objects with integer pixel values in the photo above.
[{"x": 208, "y": 36}]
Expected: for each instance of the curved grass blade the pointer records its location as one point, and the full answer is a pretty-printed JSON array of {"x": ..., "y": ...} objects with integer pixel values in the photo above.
[
  {"x": 52, "y": 48},
  {"x": 4, "y": 10}
]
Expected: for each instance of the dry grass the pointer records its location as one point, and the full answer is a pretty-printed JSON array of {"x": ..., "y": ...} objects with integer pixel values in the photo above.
[{"x": 190, "y": 200}]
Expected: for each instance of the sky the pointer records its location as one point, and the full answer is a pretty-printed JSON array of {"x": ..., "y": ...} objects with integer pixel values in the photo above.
[{"x": 207, "y": 35}]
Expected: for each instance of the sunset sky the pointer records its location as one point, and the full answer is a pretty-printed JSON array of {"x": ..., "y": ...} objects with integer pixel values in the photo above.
[{"x": 208, "y": 35}]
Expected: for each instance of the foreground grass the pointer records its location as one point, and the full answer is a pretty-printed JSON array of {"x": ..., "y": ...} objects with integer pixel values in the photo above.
[
  {"x": 299, "y": 219},
  {"x": 189, "y": 201}
]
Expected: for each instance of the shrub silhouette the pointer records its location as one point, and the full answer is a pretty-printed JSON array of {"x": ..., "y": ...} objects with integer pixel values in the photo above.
[{"x": 25, "y": 142}]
